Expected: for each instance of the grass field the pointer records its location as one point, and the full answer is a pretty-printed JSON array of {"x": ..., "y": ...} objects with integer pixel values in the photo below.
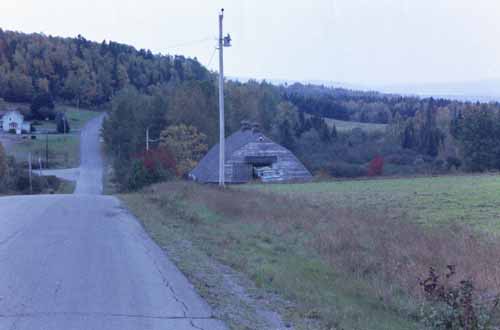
[
  {"x": 347, "y": 254},
  {"x": 271, "y": 250},
  {"x": 64, "y": 150},
  {"x": 345, "y": 126},
  {"x": 469, "y": 200}
]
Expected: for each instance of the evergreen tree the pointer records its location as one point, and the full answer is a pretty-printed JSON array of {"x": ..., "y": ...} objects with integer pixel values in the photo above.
[
  {"x": 62, "y": 123},
  {"x": 4, "y": 169},
  {"x": 334, "y": 134}
]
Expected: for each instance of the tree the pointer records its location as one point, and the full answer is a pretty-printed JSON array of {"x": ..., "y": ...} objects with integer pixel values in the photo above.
[
  {"x": 4, "y": 169},
  {"x": 194, "y": 103},
  {"x": 334, "y": 133},
  {"x": 409, "y": 136},
  {"x": 286, "y": 117},
  {"x": 478, "y": 133},
  {"x": 62, "y": 123},
  {"x": 187, "y": 145},
  {"x": 20, "y": 87},
  {"x": 42, "y": 107}
]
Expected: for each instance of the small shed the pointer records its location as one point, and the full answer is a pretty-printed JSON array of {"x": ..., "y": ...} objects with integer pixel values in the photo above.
[{"x": 251, "y": 156}]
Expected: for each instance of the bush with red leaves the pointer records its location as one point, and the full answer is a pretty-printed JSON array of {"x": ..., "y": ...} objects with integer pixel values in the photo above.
[
  {"x": 150, "y": 167},
  {"x": 376, "y": 167},
  {"x": 160, "y": 158}
]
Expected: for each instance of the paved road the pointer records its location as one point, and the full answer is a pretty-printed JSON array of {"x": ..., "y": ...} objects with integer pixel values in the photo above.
[{"x": 82, "y": 262}]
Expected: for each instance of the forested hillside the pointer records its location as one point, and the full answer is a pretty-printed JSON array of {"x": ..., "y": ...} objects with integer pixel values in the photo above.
[
  {"x": 80, "y": 71},
  {"x": 174, "y": 98}
]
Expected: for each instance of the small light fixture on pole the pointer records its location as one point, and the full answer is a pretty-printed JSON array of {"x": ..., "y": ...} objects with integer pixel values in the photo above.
[{"x": 223, "y": 42}]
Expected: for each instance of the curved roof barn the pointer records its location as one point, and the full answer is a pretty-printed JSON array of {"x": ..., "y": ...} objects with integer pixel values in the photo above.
[{"x": 251, "y": 155}]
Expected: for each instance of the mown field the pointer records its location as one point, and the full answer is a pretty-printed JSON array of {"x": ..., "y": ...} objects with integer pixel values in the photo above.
[
  {"x": 465, "y": 200},
  {"x": 347, "y": 254},
  {"x": 344, "y": 126},
  {"x": 63, "y": 149}
]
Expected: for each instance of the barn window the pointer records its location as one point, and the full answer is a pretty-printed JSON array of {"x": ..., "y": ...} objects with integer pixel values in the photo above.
[{"x": 261, "y": 165}]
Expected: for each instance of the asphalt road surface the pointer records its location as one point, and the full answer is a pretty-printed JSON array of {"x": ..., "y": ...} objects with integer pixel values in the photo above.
[{"x": 83, "y": 262}]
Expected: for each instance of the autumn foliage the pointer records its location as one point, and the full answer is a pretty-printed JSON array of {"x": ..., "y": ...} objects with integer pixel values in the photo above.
[
  {"x": 376, "y": 166},
  {"x": 160, "y": 158}
]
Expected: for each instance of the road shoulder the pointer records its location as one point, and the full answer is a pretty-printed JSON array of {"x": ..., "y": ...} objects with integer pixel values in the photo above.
[{"x": 233, "y": 298}]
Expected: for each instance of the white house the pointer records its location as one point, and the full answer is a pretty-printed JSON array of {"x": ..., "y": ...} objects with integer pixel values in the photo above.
[{"x": 14, "y": 121}]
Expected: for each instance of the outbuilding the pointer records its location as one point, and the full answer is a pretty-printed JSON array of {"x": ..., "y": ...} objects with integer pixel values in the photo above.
[{"x": 250, "y": 155}]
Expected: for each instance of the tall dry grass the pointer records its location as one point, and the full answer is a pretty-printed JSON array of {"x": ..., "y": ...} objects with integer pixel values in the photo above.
[{"x": 390, "y": 254}]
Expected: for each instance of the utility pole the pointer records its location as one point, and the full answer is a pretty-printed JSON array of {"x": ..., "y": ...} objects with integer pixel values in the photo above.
[
  {"x": 46, "y": 149},
  {"x": 40, "y": 164},
  {"x": 30, "y": 169},
  {"x": 223, "y": 42},
  {"x": 150, "y": 140}
]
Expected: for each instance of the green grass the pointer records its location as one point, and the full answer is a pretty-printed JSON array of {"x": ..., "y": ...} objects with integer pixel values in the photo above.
[
  {"x": 473, "y": 200},
  {"x": 78, "y": 117},
  {"x": 64, "y": 150},
  {"x": 347, "y": 254},
  {"x": 66, "y": 187},
  {"x": 347, "y": 126},
  {"x": 344, "y": 126},
  {"x": 270, "y": 248}
]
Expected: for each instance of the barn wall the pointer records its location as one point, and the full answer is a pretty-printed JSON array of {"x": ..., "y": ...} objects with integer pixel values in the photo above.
[{"x": 289, "y": 167}]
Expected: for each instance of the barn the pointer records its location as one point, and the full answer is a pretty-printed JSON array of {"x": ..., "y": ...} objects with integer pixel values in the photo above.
[{"x": 251, "y": 156}]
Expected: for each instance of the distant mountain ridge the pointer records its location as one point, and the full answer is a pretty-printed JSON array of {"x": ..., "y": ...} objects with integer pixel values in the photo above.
[{"x": 473, "y": 91}]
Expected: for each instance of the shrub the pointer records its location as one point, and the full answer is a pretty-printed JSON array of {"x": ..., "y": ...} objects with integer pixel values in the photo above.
[
  {"x": 151, "y": 167},
  {"x": 160, "y": 159},
  {"x": 453, "y": 162},
  {"x": 139, "y": 176},
  {"x": 401, "y": 157},
  {"x": 346, "y": 170},
  {"x": 376, "y": 166},
  {"x": 455, "y": 306}
]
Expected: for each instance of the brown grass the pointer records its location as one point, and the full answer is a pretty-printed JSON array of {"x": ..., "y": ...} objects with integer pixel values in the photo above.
[{"x": 390, "y": 254}]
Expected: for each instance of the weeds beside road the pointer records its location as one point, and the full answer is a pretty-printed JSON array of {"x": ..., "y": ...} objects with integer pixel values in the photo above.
[{"x": 337, "y": 266}]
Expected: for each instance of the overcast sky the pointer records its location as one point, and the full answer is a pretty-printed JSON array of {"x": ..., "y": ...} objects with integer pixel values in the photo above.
[{"x": 369, "y": 42}]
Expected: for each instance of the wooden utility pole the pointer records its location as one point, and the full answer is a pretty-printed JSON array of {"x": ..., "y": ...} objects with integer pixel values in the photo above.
[
  {"x": 223, "y": 42},
  {"x": 30, "y": 174},
  {"x": 46, "y": 149}
]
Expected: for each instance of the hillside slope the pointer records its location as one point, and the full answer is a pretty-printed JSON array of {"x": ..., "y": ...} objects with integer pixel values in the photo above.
[{"x": 81, "y": 71}]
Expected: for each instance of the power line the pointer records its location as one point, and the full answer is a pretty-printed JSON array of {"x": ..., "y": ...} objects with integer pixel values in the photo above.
[
  {"x": 188, "y": 43},
  {"x": 211, "y": 58}
]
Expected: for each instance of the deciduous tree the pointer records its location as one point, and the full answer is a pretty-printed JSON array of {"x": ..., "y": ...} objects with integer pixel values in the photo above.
[{"x": 187, "y": 145}]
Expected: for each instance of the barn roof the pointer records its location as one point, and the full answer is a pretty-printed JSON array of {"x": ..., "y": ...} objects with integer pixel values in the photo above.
[
  {"x": 242, "y": 145},
  {"x": 208, "y": 167}
]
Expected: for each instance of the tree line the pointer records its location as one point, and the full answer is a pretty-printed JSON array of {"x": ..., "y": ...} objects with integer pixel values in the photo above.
[
  {"x": 82, "y": 72},
  {"x": 174, "y": 98}
]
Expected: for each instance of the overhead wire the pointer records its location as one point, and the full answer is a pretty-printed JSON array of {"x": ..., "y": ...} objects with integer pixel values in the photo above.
[
  {"x": 211, "y": 57},
  {"x": 188, "y": 43}
]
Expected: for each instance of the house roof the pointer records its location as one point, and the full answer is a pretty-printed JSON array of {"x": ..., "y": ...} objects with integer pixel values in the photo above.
[
  {"x": 208, "y": 167},
  {"x": 6, "y": 112}
]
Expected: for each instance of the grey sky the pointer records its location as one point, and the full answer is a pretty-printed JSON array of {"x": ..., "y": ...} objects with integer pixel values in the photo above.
[{"x": 356, "y": 41}]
